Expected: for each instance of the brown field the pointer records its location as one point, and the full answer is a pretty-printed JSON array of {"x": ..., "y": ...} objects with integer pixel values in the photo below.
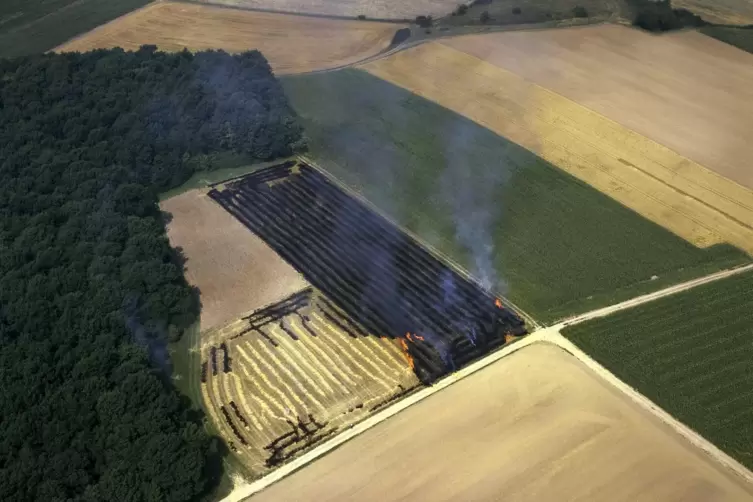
[
  {"x": 317, "y": 380},
  {"x": 467, "y": 76},
  {"x": 535, "y": 425},
  {"x": 235, "y": 270},
  {"x": 292, "y": 44},
  {"x": 377, "y": 9},
  {"x": 720, "y": 11}
]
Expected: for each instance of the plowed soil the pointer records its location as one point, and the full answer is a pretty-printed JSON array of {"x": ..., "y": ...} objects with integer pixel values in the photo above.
[
  {"x": 235, "y": 271},
  {"x": 466, "y": 75},
  {"x": 292, "y": 44},
  {"x": 535, "y": 425}
]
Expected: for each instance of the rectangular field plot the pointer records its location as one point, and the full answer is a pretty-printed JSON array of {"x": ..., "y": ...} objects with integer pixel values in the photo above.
[
  {"x": 376, "y": 274},
  {"x": 534, "y": 426},
  {"x": 692, "y": 354},
  {"x": 292, "y": 374},
  {"x": 552, "y": 244}
]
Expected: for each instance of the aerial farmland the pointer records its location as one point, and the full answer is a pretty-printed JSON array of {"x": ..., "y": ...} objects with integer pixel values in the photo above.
[
  {"x": 292, "y": 44},
  {"x": 438, "y": 252}
]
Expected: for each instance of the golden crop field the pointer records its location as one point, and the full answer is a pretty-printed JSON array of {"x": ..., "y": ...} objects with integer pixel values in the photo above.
[
  {"x": 291, "y": 44},
  {"x": 663, "y": 186},
  {"x": 378, "y": 9},
  {"x": 684, "y": 90},
  {"x": 537, "y": 425},
  {"x": 295, "y": 379}
]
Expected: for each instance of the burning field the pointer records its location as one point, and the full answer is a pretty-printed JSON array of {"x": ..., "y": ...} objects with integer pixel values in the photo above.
[
  {"x": 292, "y": 374},
  {"x": 291, "y": 44},
  {"x": 382, "y": 316},
  {"x": 535, "y": 425}
]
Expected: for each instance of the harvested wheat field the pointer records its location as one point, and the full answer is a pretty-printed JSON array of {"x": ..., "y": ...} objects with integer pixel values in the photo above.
[
  {"x": 655, "y": 181},
  {"x": 376, "y": 9},
  {"x": 292, "y": 44},
  {"x": 685, "y": 90},
  {"x": 291, "y": 375},
  {"x": 234, "y": 270},
  {"x": 536, "y": 425}
]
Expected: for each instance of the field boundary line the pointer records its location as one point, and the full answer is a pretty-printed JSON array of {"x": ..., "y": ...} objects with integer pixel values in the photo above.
[
  {"x": 242, "y": 493},
  {"x": 431, "y": 249},
  {"x": 151, "y": 4},
  {"x": 649, "y": 297},
  {"x": 718, "y": 456}
]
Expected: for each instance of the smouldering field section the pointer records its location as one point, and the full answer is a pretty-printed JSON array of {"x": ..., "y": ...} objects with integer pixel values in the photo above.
[
  {"x": 288, "y": 376},
  {"x": 379, "y": 9},
  {"x": 534, "y": 426},
  {"x": 668, "y": 189},
  {"x": 551, "y": 243},
  {"x": 291, "y": 44},
  {"x": 375, "y": 273},
  {"x": 382, "y": 317},
  {"x": 689, "y": 353}
]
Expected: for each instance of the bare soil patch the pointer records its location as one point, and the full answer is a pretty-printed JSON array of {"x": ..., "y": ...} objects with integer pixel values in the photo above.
[
  {"x": 235, "y": 270},
  {"x": 292, "y": 44},
  {"x": 653, "y": 180},
  {"x": 536, "y": 425}
]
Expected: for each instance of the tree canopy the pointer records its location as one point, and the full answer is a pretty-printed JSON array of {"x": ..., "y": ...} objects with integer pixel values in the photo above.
[{"x": 88, "y": 281}]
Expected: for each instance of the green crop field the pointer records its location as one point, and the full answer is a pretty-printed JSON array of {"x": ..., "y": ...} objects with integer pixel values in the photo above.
[
  {"x": 692, "y": 354},
  {"x": 742, "y": 38},
  {"x": 557, "y": 246},
  {"x": 32, "y": 26}
]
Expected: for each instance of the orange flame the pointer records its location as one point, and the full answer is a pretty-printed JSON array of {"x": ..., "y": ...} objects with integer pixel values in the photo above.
[
  {"x": 411, "y": 337},
  {"x": 498, "y": 303},
  {"x": 404, "y": 345}
]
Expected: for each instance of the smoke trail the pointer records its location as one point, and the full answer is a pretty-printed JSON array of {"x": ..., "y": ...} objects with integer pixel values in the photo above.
[{"x": 470, "y": 186}]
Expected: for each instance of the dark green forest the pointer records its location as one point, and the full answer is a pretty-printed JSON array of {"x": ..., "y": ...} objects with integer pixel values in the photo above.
[{"x": 90, "y": 290}]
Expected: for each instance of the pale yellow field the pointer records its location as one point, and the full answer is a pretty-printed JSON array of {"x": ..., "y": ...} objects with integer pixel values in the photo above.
[
  {"x": 291, "y": 44},
  {"x": 687, "y": 91},
  {"x": 665, "y": 187},
  {"x": 534, "y": 426},
  {"x": 377, "y": 9},
  {"x": 326, "y": 379}
]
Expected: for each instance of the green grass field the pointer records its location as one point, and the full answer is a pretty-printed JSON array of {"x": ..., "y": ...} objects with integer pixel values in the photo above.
[
  {"x": 558, "y": 246},
  {"x": 742, "y": 38},
  {"x": 32, "y": 26},
  {"x": 691, "y": 354}
]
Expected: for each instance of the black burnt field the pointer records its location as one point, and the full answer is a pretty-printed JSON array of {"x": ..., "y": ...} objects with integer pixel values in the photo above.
[{"x": 382, "y": 279}]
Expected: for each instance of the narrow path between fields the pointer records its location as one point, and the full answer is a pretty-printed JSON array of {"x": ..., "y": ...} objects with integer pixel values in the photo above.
[{"x": 552, "y": 335}]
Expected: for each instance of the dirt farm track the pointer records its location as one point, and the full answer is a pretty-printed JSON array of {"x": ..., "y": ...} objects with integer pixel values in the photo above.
[
  {"x": 292, "y": 44},
  {"x": 573, "y": 427},
  {"x": 661, "y": 124}
]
